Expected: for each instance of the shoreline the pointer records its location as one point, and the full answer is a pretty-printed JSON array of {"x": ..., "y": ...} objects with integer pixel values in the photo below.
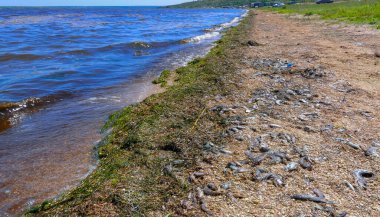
[
  {"x": 267, "y": 123},
  {"x": 68, "y": 163},
  {"x": 101, "y": 147}
]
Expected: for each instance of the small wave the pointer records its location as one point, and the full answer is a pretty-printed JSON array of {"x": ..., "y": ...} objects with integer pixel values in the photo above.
[
  {"x": 60, "y": 74},
  {"x": 215, "y": 31},
  {"x": 33, "y": 102},
  {"x": 202, "y": 37},
  {"x": 10, "y": 110},
  {"x": 233, "y": 22},
  {"x": 9, "y": 56},
  {"x": 78, "y": 52},
  {"x": 138, "y": 45}
]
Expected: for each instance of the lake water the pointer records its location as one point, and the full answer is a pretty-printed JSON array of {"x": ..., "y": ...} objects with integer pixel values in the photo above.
[{"x": 63, "y": 70}]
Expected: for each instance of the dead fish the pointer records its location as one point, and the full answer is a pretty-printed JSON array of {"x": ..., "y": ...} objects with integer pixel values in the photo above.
[
  {"x": 199, "y": 194},
  {"x": 233, "y": 129},
  {"x": 240, "y": 127},
  {"x": 212, "y": 186},
  {"x": 232, "y": 165},
  {"x": 232, "y": 198},
  {"x": 204, "y": 208},
  {"x": 372, "y": 152},
  {"x": 277, "y": 180},
  {"x": 186, "y": 204},
  {"x": 310, "y": 129},
  {"x": 281, "y": 155},
  {"x": 360, "y": 176},
  {"x": 242, "y": 170},
  {"x": 349, "y": 143},
  {"x": 264, "y": 147},
  {"x": 262, "y": 175},
  {"x": 342, "y": 214},
  {"x": 226, "y": 185},
  {"x": 285, "y": 138},
  {"x": 305, "y": 163},
  {"x": 348, "y": 184},
  {"x": 291, "y": 166},
  {"x": 255, "y": 160},
  {"x": 259, "y": 142},
  {"x": 210, "y": 192},
  {"x": 274, "y": 126},
  {"x": 353, "y": 145},
  {"x": 225, "y": 151},
  {"x": 320, "y": 198},
  {"x": 192, "y": 178},
  {"x": 199, "y": 174},
  {"x": 168, "y": 169}
]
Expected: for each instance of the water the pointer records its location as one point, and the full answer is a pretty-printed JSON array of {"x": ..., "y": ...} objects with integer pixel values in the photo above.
[{"x": 63, "y": 70}]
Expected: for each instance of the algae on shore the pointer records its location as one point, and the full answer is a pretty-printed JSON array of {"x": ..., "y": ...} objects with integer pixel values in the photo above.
[{"x": 166, "y": 130}]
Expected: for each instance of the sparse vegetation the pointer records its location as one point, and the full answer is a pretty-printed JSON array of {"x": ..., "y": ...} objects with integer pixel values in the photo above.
[{"x": 163, "y": 79}]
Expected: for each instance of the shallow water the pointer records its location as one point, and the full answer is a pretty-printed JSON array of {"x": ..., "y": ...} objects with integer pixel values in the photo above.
[{"x": 63, "y": 70}]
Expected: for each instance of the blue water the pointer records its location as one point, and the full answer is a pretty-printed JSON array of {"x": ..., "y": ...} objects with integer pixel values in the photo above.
[
  {"x": 66, "y": 69},
  {"x": 44, "y": 51}
]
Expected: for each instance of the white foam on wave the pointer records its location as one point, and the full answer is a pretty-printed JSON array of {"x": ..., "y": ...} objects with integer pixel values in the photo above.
[
  {"x": 203, "y": 37},
  {"x": 214, "y": 32}
]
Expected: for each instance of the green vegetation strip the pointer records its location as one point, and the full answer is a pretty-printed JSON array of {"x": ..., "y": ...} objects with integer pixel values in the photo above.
[
  {"x": 360, "y": 12},
  {"x": 169, "y": 128},
  {"x": 213, "y": 4}
]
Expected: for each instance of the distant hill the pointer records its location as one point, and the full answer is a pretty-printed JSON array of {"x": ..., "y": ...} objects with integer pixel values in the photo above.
[{"x": 213, "y": 4}]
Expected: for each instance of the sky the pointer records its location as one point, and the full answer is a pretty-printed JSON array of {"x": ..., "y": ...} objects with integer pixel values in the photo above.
[{"x": 89, "y": 2}]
